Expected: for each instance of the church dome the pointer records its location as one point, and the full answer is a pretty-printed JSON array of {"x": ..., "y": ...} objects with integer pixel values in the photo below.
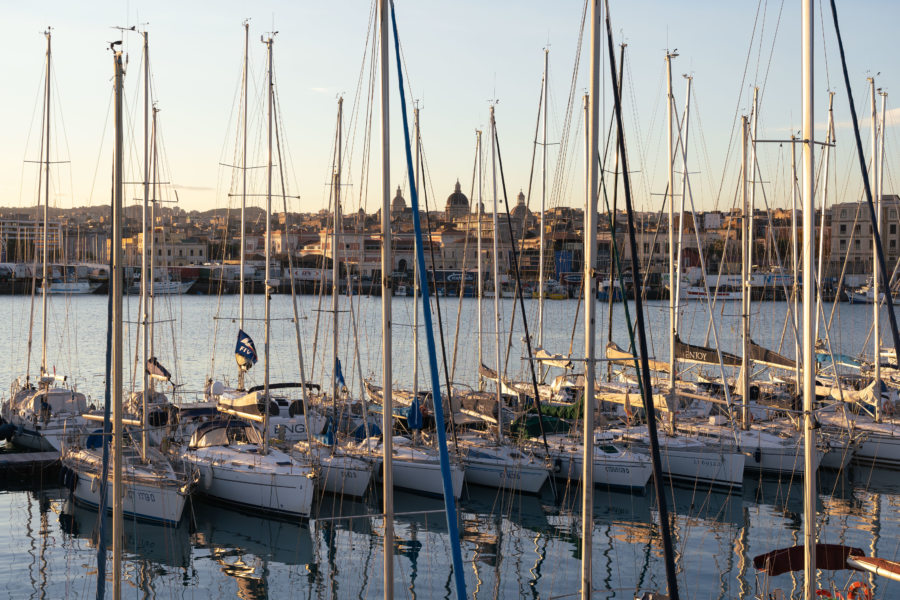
[
  {"x": 398, "y": 204},
  {"x": 520, "y": 211},
  {"x": 457, "y": 203}
]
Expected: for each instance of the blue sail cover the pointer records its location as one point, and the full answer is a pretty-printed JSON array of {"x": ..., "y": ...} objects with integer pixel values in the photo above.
[
  {"x": 245, "y": 351},
  {"x": 338, "y": 373},
  {"x": 414, "y": 415}
]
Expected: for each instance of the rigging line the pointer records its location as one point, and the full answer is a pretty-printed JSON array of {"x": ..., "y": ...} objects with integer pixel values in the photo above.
[
  {"x": 534, "y": 383},
  {"x": 561, "y": 160},
  {"x": 463, "y": 273},
  {"x": 882, "y": 265},
  {"x": 737, "y": 108},
  {"x": 437, "y": 299},
  {"x": 649, "y": 408},
  {"x": 449, "y": 501}
]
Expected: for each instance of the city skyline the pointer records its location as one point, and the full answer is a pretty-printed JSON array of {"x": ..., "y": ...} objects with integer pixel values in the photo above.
[{"x": 456, "y": 60}]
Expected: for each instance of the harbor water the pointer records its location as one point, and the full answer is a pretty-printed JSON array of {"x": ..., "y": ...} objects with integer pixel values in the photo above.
[{"x": 513, "y": 545}]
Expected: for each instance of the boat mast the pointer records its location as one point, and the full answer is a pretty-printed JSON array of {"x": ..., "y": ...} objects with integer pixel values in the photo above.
[
  {"x": 496, "y": 276},
  {"x": 335, "y": 263},
  {"x": 829, "y": 142},
  {"x": 796, "y": 265},
  {"x": 592, "y": 134},
  {"x": 146, "y": 340},
  {"x": 154, "y": 176},
  {"x": 876, "y": 190},
  {"x": 540, "y": 339},
  {"x": 745, "y": 279},
  {"x": 670, "y": 104},
  {"x": 244, "y": 182},
  {"x": 478, "y": 261},
  {"x": 269, "y": 41},
  {"x": 416, "y": 269},
  {"x": 45, "y": 279},
  {"x": 386, "y": 332},
  {"x": 809, "y": 360},
  {"x": 118, "y": 531},
  {"x": 683, "y": 142}
]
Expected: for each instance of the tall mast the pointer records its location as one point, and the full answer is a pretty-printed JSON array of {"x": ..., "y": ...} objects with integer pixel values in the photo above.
[
  {"x": 154, "y": 177},
  {"x": 747, "y": 271},
  {"x": 335, "y": 262},
  {"x": 829, "y": 141},
  {"x": 540, "y": 339},
  {"x": 118, "y": 531},
  {"x": 592, "y": 132},
  {"x": 880, "y": 183},
  {"x": 45, "y": 277},
  {"x": 683, "y": 136},
  {"x": 478, "y": 260},
  {"x": 386, "y": 331},
  {"x": 271, "y": 94},
  {"x": 673, "y": 300},
  {"x": 416, "y": 269},
  {"x": 146, "y": 340},
  {"x": 496, "y": 276},
  {"x": 244, "y": 177},
  {"x": 796, "y": 265},
  {"x": 876, "y": 191},
  {"x": 809, "y": 357},
  {"x": 745, "y": 278}
]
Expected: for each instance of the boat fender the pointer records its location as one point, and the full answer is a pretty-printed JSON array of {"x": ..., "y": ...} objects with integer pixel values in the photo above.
[
  {"x": 859, "y": 591},
  {"x": 757, "y": 455},
  {"x": 63, "y": 471},
  {"x": 95, "y": 484},
  {"x": 557, "y": 465},
  {"x": 73, "y": 481}
]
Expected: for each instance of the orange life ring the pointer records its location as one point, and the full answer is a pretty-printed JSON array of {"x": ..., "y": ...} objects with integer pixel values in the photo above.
[{"x": 859, "y": 590}]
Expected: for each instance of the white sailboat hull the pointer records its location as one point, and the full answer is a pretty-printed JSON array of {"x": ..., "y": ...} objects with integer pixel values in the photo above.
[
  {"x": 629, "y": 470},
  {"x": 73, "y": 287},
  {"x": 521, "y": 477},
  {"x": 275, "y": 485},
  {"x": 154, "y": 499}
]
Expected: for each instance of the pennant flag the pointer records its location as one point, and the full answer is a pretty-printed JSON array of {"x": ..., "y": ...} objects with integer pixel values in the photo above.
[
  {"x": 154, "y": 369},
  {"x": 338, "y": 375},
  {"x": 245, "y": 351}
]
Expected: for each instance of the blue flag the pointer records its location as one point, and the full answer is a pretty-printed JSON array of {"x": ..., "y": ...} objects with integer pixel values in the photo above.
[
  {"x": 245, "y": 351},
  {"x": 338, "y": 375}
]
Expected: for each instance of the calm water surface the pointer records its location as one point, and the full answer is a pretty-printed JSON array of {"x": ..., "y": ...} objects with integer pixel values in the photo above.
[{"x": 513, "y": 546}]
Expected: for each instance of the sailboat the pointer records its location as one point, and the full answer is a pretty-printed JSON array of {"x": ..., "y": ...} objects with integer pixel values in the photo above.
[
  {"x": 145, "y": 485},
  {"x": 38, "y": 417},
  {"x": 233, "y": 460},
  {"x": 286, "y": 418}
]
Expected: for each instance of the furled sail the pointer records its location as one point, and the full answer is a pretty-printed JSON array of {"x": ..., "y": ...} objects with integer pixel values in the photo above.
[
  {"x": 764, "y": 356},
  {"x": 620, "y": 357},
  {"x": 702, "y": 354}
]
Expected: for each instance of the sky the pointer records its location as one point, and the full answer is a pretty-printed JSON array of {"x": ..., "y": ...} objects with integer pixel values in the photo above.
[{"x": 459, "y": 57}]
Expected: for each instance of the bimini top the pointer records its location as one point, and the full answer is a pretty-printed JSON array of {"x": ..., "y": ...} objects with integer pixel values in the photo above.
[{"x": 224, "y": 433}]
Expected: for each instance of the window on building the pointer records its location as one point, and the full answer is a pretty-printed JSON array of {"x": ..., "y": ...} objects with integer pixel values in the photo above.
[
  {"x": 893, "y": 243},
  {"x": 169, "y": 252},
  {"x": 192, "y": 252},
  {"x": 843, "y": 213},
  {"x": 893, "y": 228},
  {"x": 856, "y": 244},
  {"x": 843, "y": 228},
  {"x": 646, "y": 248},
  {"x": 843, "y": 244}
]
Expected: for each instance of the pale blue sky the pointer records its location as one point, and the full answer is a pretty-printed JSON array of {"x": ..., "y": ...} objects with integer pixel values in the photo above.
[{"x": 459, "y": 55}]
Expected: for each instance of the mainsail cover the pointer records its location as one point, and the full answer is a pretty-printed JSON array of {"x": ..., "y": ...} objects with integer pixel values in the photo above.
[
  {"x": 702, "y": 354},
  {"x": 620, "y": 357},
  {"x": 553, "y": 360},
  {"x": 764, "y": 356}
]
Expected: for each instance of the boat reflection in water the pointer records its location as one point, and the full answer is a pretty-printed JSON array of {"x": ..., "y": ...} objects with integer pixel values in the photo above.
[{"x": 163, "y": 545}]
